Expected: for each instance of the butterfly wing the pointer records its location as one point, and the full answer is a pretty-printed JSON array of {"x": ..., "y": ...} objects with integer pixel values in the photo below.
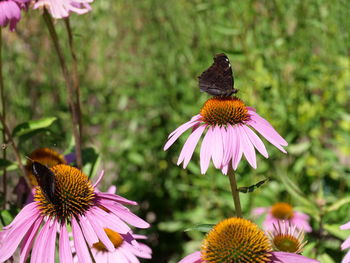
[
  {"x": 45, "y": 178},
  {"x": 218, "y": 79}
]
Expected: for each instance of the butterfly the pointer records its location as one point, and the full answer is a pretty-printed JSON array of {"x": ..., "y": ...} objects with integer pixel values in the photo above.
[
  {"x": 46, "y": 179},
  {"x": 218, "y": 79}
]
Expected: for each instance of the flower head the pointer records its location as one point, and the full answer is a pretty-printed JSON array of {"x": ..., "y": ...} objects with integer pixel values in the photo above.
[
  {"x": 62, "y": 8},
  {"x": 287, "y": 238},
  {"x": 10, "y": 12},
  {"x": 76, "y": 203},
  {"x": 346, "y": 244},
  {"x": 283, "y": 211},
  {"x": 236, "y": 240},
  {"x": 227, "y": 124}
]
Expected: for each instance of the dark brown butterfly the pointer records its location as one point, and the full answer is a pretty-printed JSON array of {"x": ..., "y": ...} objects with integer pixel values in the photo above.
[
  {"x": 218, "y": 79},
  {"x": 45, "y": 178}
]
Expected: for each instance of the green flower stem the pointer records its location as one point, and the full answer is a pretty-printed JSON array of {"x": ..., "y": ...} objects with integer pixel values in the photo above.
[
  {"x": 75, "y": 75},
  {"x": 69, "y": 85},
  {"x": 235, "y": 193},
  {"x": 3, "y": 112}
]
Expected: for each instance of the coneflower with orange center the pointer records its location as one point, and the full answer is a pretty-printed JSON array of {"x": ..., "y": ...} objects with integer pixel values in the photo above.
[
  {"x": 74, "y": 203},
  {"x": 282, "y": 211},
  {"x": 237, "y": 240},
  {"x": 227, "y": 124}
]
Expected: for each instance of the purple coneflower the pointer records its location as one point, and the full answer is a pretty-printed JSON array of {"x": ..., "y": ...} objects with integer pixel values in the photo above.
[
  {"x": 240, "y": 240},
  {"x": 10, "y": 12},
  {"x": 227, "y": 123},
  {"x": 283, "y": 211},
  {"x": 75, "y": 203},
  {"x": 346, "y": 244},
  {"x": 62, "y": 8}
]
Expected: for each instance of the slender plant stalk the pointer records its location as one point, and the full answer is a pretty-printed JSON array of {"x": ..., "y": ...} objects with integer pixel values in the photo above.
[
  {"x": 235, "y": 192},
  {"x": 3, "y": 111},
  {"x": 13, "y": 144},
  {"x": 69, "y": 85},
  {"x": 75, "y": 75}
]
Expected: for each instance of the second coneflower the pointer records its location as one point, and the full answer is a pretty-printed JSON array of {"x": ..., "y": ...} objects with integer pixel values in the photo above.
[
  {"x": 239, "y": 240},
  {"x": 227, "y": 124},
  {"x": 73, "y": 203}
]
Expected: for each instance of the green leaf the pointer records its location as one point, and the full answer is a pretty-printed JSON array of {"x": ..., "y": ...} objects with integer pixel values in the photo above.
[
  {"x": 202, "y": 228},
  {"x": 325, "y": 258},
  {"x": 6, "y": 217},
  {"x": 250, "y": 189},
  {"x": 335, "y": 230},
  {"x": 338, "y": 204},
  {"x": 30, "y": 126}
]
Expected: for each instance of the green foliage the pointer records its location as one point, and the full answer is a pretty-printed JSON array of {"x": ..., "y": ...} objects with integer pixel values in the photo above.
[{"x": 139, "y": 64}]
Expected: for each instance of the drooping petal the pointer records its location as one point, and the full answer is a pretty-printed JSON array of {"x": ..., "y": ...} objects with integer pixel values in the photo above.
[
  {"x": 99, "y": 179},
  {"x": 189, "y": 146},
  {"x": 116, "y": 198},
  {"x": 301, "y": 220},
  {"x": 346, "y": 259},
  {"x": 28, "y": 241},
  {"x": 256, "y": 141},
  {"x": 125, "y": 214},
  {"x": 88, "y": 231},
  {"x": 39, "y": 253},
  {"x": 79, "y": 243},
  {"x": 102, "y": 236},
  {"x": 285, "y": 257},
  {"x": 259, "y": 211},
  {"x": 227, "y": 144},
  {"x": 15, "y": 234},
  {"x": 206, "y": 151},
  {"x": 177, "y": 133},
  {"x": 237, "y": 151},
  {"x": 247, "y": 146},
  {"x": 264, "y": 125},
  {"x": 27, "y": 212},
  {"x": 65, "y": 252},
  {"x": 51, "y": 242},
  {"x": 218, "y": 150},
  {"x": 181, "y": 127},
  {"x": 192, "y": 258},
  {"x": 270, "y": 136}
]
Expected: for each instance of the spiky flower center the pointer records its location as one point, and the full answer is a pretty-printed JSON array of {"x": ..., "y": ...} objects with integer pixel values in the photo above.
[
  {"x": 73, "y": 195},
  {"x": 45, "y": 156},
  {"x": 282, "y": 211},
  {"x": 113, "y": 236},
  {"x": 287, "y": 238},
  {"x": 223, "y": 111},
  {"x": 236, "y": 240}
]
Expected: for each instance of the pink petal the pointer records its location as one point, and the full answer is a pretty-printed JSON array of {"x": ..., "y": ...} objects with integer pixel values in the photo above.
[
  {"x": 98, "y": 229},
  {"x": 255, "y": 140},
  {"x": 99, "y": 179},
  {"x": 264, "y": 131},
  {"x": 29, "y": 240},
  {"x": 88, "y": 231},
  {"x": 269, "y": 129},
  {"x": 259, "y": 211},
  {"x": 27, "y": 211},
  {"x": 115, "y": 198},
  {"x": 227, "y": 143},
  {"x": 301, "y": 221},
  {"x": 79, "y": 243},
  {"x": 257, "y": 117},
  {"x": 206, "y": 151},
  {"x": 109, "y": 220},
  {"x": 291, "y": 258},
  {"x": 193, "y": 119},
  {"x": 247, "y": 146},
  {"x": 236, "y": 148},
  {"x": 189, "y": 146},
  {"x": 345, "y": 226},
  {"x": 177, "y": 133},
  {"x": 346, "y": 259},
  {"x": 15, "y": 234},
  {"x": 65, "y": 251},
  {"x": 126, "y": 215},
  {"x": 40, "y": 254},
  {"x": 51, "y": 242},
  {"x": 218, "y": 151},
  {"x": 346, "y": 244},
  {"x": 192, "y": 258}
]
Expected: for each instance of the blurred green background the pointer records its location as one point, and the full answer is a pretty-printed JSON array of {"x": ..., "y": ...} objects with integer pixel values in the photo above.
[{"x": 139, "y": 62}]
